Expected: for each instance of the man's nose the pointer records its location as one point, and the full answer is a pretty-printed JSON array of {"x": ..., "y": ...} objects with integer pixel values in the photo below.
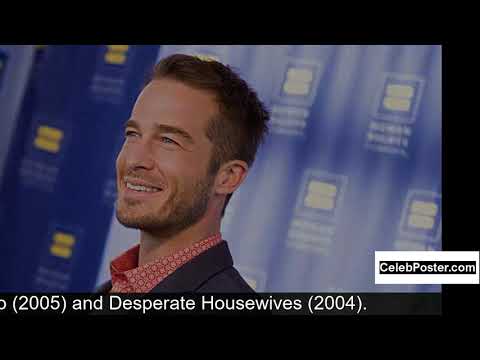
[{"x": 140, "y": 157}]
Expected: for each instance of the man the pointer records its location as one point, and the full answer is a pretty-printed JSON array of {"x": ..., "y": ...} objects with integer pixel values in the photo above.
[{"x": 192, "y": 136}]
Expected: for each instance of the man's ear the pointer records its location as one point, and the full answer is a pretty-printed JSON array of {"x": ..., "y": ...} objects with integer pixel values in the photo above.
[{"x": 230, "y": 176}]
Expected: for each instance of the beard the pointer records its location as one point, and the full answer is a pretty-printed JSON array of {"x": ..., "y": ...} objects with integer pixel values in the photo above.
[{"x": 183, "y": 208}]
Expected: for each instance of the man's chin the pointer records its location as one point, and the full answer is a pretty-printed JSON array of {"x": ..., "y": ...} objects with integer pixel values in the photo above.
[
  {"x": 134, "y": 221},
  {"x": 128, "y": 221}
]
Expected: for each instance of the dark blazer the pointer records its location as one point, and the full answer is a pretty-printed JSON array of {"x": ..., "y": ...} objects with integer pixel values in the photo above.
[{"x": 210, "y": 272}]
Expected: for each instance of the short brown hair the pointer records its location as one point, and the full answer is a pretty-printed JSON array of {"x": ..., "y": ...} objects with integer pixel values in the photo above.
[{"x": 241, "y": 125}]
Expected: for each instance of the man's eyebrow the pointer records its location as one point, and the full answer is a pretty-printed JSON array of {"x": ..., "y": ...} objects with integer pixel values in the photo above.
[
  {"x": 164, "y": 129},
  {"x": 174, "y": 130},
  {"x": 130, "y": 123}
]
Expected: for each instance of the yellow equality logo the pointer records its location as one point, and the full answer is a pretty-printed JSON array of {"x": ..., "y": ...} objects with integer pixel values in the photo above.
[
  {"x": 62, "y": 245},
  {"x": 398, "y": 97},
  {"x": 298, "y": 81},
  {"x": 116, "y": 54},
  {"x": 320, "y": 195},
  {"x": 422, "y": 215},
  {"x": 48, "y": 139}
]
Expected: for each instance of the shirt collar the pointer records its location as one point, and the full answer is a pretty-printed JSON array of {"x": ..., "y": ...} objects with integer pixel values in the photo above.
[{"x": 127, "y": 276}]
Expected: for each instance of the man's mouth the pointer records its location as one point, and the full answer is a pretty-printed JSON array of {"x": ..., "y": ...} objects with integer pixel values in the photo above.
[{"x": 141, "y": 186}]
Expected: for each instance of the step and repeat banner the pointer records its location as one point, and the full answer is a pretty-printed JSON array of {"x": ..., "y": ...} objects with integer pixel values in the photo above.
[{"x": 352, "y": 163}]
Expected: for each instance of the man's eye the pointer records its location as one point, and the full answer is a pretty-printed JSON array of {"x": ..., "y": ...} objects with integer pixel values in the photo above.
[
  {"x": 130, "y": 133},
  {"x": 167, "y": 140}
]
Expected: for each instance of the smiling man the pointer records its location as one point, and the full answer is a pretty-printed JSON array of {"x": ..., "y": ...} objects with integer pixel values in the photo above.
[{"x": 191, "y": 138}]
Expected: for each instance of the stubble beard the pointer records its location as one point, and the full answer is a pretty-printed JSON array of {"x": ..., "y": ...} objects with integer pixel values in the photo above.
[{"x": 180, "y": 211}]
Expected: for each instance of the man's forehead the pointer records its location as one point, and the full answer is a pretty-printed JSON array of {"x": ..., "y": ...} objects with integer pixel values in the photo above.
[
  {"x": 166, "y": 103},
  {"x": 170, "y": 99}
]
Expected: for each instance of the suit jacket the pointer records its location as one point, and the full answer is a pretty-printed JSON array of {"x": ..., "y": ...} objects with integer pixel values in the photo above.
[{"x": 210, "y": 272}]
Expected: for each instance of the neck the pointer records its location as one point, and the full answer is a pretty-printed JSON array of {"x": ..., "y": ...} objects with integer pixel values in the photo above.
[{"x": 154, "y": 246}]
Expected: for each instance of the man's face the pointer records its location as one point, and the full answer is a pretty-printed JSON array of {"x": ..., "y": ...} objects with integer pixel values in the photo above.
[{"x": 162, "y": 170}]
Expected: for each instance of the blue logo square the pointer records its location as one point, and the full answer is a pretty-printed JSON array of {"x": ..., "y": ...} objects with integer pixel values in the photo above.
[
  {"x": 321, "y": 195},
  {"x": 299, "y": 83},
  {"x": 399, "y": 98},
  {"x": 422, "y": 216}
]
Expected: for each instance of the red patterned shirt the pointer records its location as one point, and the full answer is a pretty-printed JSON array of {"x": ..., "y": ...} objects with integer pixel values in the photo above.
[{"x": 128, "y": 277}]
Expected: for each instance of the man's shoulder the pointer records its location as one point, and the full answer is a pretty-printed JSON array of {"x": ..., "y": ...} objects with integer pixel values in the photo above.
[{"x": 228, "y": 280}]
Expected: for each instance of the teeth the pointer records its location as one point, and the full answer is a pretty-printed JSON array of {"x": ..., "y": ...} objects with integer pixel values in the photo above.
[{"x": 141, "y": 188}]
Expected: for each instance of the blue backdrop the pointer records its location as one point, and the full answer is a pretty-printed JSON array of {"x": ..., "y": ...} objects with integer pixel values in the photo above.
[{"x": 352, "y": 163}]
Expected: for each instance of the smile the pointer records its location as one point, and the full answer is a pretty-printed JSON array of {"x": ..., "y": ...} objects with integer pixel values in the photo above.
[
  {"x": 142, "y": 188},
  {"x": 139, "y": 186}
]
